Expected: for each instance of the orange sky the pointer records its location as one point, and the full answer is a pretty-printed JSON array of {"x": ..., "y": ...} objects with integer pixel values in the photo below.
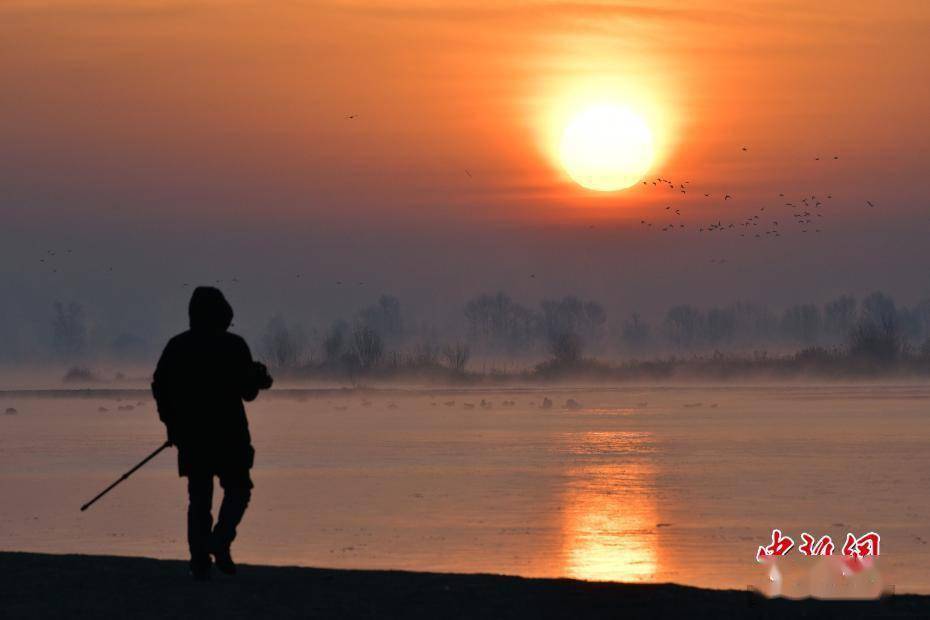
[
  {"x": 130, "y": 127},
  {"x": 206, "y": 100}
]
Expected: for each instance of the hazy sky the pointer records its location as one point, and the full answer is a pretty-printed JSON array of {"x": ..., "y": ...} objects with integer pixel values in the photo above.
[{"x": 192, "y": 141}]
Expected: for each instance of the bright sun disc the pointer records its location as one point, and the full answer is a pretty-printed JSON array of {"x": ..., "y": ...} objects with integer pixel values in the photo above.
[{"x": 606, "y": 148}]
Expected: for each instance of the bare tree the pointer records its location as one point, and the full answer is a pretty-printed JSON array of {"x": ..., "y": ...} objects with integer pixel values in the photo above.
[
  {"x": 921, "y": 316},
  {"x": 682, "y": 325},
  {"x": 839, "y": 316},
  {"x": 336, "y": 341},
  {"x": 384, "y": 318},
  {"x": 69, "y": 332},
  {"x": 877, "y": 334},
  {"x": 802, "y": 323},
  {"x": 368, "y": 346},
  {"x": 499, "y": 322},
  {"x": 283, "y": 343},
  {"x": 635, "y": 334},
  {"x": 720, "y": 325},
  {"x": 754, "y": 322},
  {"x": 456, "y": 356}
]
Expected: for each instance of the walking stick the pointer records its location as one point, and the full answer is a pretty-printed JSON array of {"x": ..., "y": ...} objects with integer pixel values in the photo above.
[{"x": 167, "y": 444}]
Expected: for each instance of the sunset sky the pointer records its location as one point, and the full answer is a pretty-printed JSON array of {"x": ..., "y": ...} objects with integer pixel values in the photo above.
[{"x": 170, "y": 141}]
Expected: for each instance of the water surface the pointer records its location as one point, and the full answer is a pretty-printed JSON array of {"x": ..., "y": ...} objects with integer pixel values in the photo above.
[{"x": 635, "y": 484}]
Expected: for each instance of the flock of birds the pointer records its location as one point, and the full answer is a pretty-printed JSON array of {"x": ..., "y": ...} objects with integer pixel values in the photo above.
[{"x": 804, "y": 213}]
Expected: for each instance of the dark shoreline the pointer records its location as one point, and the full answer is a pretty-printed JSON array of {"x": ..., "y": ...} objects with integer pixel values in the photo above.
[
  {"x": 62, "y": 586},
  {"x": 413, "y": 389}
]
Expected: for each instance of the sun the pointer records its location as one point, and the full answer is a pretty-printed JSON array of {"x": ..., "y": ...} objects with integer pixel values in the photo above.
[{"x": 606, "y": 148}]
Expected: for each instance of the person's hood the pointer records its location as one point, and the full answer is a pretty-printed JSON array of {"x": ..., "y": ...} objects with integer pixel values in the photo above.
[{"x": 209, "y": 310}]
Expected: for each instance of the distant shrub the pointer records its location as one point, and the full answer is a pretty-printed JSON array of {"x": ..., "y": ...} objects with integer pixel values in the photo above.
[
  {"x": 566, "y": 348},
  {"x": 875, "y": 341},
  {"x": 78, "y": 374},
  {"x": 814, "y": 354},
  {"x": 425, "y": 354}
]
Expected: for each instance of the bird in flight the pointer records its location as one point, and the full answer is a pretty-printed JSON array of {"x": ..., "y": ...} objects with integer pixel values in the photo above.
[{"x": 352, "y": 116}]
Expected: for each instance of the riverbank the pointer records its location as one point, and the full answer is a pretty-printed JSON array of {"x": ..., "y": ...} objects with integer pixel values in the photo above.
[{"x": 45, "y": 586}]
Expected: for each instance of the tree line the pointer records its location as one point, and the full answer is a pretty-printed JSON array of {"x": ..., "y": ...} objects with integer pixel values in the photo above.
[{"x": 569, "y": 329}]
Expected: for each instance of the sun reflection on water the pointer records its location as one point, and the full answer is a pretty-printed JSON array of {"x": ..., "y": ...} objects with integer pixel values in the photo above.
[{"x": 610, "y": 515}]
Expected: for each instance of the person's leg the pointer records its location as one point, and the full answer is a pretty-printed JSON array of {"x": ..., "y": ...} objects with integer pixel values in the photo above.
[
  {"x": 237, "y": 490},
  {"x": 199, "y": 520}
]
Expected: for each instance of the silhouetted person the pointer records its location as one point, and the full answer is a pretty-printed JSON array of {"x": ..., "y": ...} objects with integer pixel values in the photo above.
[{"x": 201, "y": 379}]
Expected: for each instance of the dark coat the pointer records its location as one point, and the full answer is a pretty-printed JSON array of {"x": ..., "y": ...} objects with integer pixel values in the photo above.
[{"x": 201, "y": 379}]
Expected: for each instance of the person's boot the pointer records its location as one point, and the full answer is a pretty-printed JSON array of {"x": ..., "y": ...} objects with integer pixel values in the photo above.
[
  {"x": 224, "y": 561},
  {"x": 200, "y": 568}
]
